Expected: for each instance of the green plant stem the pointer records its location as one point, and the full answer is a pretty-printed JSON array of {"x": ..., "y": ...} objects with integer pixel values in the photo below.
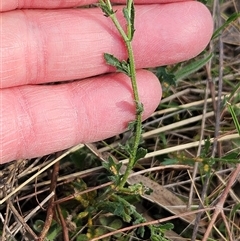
[
  {"x": 127, "y": 37},
  {"x": 138, "y": 129}
]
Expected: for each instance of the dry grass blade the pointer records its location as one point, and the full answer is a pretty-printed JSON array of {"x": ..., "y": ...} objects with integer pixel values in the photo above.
[
  {"x": 50, "y": 209},
  {"x": 219, "y": 206},
  {"x": 73, "y": 149}
]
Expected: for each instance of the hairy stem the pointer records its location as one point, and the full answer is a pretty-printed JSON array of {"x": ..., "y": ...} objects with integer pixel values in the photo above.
[{"x": 127, "y": 36}]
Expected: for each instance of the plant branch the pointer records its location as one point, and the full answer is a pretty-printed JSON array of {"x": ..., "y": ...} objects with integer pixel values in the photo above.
[{"x": 127, "y": 67}]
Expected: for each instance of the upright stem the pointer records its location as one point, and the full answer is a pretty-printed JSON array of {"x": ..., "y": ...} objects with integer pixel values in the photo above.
[
  {"x": 138, "y": 130},
  {"x": 127, "y": 37}
]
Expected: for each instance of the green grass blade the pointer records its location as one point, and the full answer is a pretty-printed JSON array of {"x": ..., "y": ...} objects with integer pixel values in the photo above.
[
  {"x": 234, "y": 116},
  {"x": 232, "y": 18},
  {"x": 192, "y": 67}
]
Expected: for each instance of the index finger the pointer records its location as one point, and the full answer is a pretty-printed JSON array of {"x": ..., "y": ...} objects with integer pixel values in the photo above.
[
  {"x": 40, "y": 46},
  {"x": 7, "y": 5}
]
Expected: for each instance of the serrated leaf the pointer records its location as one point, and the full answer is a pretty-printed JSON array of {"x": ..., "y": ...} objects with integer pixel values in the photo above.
[
  {"x": 128, "y": 147},
  {"x": 118, "y": 209},
  {"x": 121, "y": 66},
  {"x": 141, "y": 152},
  {"x": 112, "y": 60},
  {"x": 129, "y": 14},
  {"x": 132, "y": 21},
  {"x": 106, "y": 165}
]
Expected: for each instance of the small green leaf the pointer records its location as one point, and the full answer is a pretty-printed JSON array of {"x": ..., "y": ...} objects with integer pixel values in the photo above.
[
  {"x": 126, "y": 15},
  {"x": 116, "y": 224},
  {"x": 166, "y": 226},
  {"x": 82, "y": 237},
  {"x": 132, "y": 125},
  {"x": 117, "y": 208},
  {"x": 164, "y": 76},
  {"x": 129, "y": 14},
  {"x": 157, "y": 231},
  {"x": 141, "y": 152},
  {"x": 112, "y": 60},
  {"x": 112, "y": 166},
  {"x": 155, "y": 238},
  {"x": 232, "y": 155},
  {"x": 121, "y": 66},
  {"x": 128, "y": 146},
  {"x": 105, "y": 8},
  {"x": 132, "y": 19},
  {"x": 141, "y": 231},
  {"x": 139, "y": 108},
  {"x": 82, "y": 215}
]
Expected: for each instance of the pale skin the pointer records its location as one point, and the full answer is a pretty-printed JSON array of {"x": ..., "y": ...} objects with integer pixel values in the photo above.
[{"x": 41, "y": 46}]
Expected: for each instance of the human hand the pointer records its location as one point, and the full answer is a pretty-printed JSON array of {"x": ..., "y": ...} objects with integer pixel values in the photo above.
[{"x": 42, "y": 46}]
